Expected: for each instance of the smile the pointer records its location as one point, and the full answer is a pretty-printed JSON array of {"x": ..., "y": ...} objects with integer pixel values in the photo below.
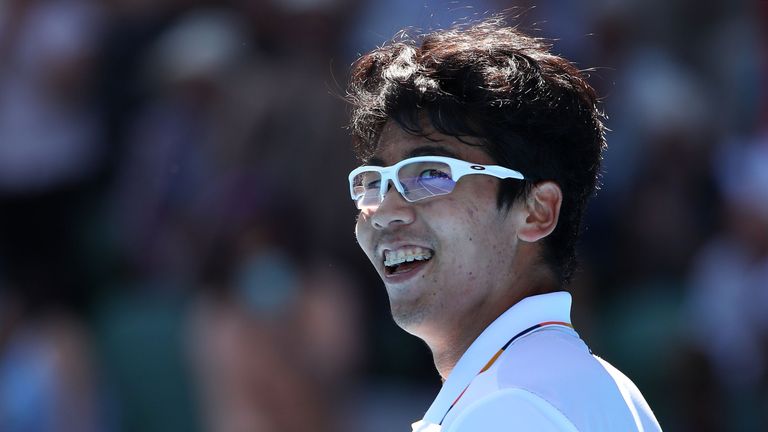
[{"x": 405, "y": 259}]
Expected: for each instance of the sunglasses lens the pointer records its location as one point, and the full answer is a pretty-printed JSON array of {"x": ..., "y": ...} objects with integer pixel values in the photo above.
[
  {"x": 366, "y": 187},
  {"x": 425, "y": 179}
]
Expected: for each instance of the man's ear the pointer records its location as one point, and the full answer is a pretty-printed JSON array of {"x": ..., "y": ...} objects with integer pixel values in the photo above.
[{"x": 542, "y": 210}]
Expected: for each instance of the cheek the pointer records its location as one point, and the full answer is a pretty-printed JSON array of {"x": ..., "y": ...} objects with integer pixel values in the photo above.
[
  {"x": 463, "y": 233},
  {"x": 479, "y": 242},
  {"x": 465, "y": 212},
  {"x": 363, "y": 233}
]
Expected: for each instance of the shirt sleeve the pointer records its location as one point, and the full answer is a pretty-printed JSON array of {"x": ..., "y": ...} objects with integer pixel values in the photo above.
[{"x": 515, "y": 410}]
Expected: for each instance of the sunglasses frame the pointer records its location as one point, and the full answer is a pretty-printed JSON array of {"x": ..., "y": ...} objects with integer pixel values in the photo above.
[{"x": 459, "y": 169}]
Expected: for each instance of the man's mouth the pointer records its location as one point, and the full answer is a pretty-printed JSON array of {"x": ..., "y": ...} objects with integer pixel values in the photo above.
[{"x": 405, "y": 259}]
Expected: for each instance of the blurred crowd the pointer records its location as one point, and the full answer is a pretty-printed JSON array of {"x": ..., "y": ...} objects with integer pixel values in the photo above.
[{"x": 176, "y": 235}]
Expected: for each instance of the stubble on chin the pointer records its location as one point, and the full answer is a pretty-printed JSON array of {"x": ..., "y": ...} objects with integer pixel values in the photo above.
[{"x": 410, "y": 317}]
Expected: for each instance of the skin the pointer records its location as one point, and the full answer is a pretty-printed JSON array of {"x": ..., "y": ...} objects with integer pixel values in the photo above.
[{"x": 485, "y": 259}]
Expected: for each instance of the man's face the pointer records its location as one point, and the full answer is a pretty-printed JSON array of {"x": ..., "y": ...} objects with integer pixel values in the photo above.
[{"x": 471, "y": 274}]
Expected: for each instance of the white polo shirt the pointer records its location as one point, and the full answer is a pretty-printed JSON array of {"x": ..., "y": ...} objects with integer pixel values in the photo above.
[{"x": 530, "y": 371}]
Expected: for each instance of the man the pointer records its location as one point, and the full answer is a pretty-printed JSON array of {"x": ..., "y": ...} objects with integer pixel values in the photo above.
[{"x": 481, "y": 149}]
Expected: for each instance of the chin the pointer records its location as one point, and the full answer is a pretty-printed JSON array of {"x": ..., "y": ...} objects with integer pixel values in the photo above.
[{"x": 410, "y": 318}]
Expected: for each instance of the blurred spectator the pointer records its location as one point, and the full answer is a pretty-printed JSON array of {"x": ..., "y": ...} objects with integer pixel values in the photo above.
[
  {"x": 47, "y": 379},
  {"x": 277, "y": 350},
  {"x": 50, "y": 152},
  {"x": 49, "y": 143},
  {"x": 728, "y": 292},
  {"x": 48, "y": 126},
  {"x": 168, "y": 160}
]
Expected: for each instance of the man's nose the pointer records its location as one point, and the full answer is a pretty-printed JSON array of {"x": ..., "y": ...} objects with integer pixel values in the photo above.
[{"x": 393, "y": 210}]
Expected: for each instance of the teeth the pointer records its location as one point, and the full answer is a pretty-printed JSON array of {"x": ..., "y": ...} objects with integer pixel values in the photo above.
[{"x": 400, "y": 256}]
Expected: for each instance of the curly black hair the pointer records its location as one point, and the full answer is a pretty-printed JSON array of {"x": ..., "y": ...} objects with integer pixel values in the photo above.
[{"x": 533, "y": 111}]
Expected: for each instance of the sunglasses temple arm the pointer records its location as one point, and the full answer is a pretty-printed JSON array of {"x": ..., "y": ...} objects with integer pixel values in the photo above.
[{"x": 504, "y": 173}]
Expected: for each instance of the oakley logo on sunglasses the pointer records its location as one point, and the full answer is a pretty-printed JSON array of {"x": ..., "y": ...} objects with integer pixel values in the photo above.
[{"x": 416, "y": 178}]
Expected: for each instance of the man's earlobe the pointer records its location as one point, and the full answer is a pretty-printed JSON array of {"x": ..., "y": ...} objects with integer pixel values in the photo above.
[{"x": 542, "y": 210}]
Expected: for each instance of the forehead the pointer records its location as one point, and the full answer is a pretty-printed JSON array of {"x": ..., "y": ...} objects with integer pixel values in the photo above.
[{"x": 396, "y": 144}]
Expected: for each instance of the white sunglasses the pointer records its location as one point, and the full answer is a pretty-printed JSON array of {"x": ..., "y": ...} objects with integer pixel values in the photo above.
[{"x": 416, "y": 178}]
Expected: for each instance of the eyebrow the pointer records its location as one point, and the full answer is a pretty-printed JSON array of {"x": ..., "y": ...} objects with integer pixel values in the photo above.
[
  {"x": 431, "y": 150},
  {"x": 426, "y": 150}
]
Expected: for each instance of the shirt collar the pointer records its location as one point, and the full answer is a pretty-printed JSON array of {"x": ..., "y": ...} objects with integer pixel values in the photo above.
[{"x": 528, "y": 312}]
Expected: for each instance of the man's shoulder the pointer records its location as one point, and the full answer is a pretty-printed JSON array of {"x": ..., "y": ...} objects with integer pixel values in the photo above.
[
  {"x": 554, "y": 357},
  {"x": 511, "y": 409},
  {"x": 554, "y": 367}
]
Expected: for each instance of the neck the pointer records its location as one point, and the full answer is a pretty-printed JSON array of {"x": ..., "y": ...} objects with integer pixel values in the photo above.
[
  {"x": 449, "y": 342},
  {"x": 448, "y": 349},
  {"x": 447, "y": 353}
]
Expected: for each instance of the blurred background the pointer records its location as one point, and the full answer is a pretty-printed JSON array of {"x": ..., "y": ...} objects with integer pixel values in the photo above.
[{"x": 176, "y": 236}]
